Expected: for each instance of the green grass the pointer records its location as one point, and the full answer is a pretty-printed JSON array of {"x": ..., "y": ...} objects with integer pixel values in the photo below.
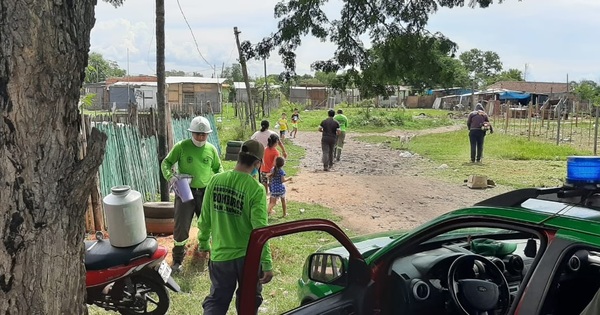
[{"x": 508, "y": 160}]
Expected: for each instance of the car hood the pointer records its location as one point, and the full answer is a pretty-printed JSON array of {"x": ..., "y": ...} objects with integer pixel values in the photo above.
[{"x": 366, "y": 244}]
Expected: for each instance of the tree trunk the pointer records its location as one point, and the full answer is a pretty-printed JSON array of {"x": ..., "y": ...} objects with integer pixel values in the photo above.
[{"x": 44, "y": 184}]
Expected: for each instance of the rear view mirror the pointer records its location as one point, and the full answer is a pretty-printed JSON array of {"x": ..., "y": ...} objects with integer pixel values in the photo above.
[{"x": 326, "y": 268}]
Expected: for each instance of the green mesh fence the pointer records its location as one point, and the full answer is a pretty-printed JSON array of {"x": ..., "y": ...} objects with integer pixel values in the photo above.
[
  {"x": 132, "y": 160},
  {"x": 129, "y": 160}
]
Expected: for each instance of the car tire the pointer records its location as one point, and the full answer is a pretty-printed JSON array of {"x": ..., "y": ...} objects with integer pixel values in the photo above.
[
  {"x": 306, "y": 301},
  {"x": 159, "y": 210},
  {"x": 233, "y": 150},
  {"x": 231, "y": 157},
  {"x": 234, "y": 144},
  {"x": 160, "y": 226}
]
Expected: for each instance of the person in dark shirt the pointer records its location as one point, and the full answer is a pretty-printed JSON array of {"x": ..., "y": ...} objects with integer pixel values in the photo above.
[
  {"x": 330, "y": 129},
  {"x": 478, "y": 124}
]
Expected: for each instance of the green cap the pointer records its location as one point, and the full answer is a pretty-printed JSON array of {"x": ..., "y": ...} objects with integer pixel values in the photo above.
[
  {"x": 489, "y": 247},
  {"x": 253, "y": 148}
]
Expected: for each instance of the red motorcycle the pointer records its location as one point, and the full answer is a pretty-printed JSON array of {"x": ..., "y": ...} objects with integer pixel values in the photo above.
[{"x": 130, "y": 280}]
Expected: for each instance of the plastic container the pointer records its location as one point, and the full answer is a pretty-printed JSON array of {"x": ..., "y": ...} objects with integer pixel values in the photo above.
[
  {"x": 583, "y": 170},
  {"x": 124, "y": 213},
  {"x": 182, "y": 187}
]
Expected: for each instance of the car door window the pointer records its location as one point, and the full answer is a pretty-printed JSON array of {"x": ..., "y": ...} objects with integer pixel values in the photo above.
[
  {"x": 339, "y": 277},
  {"x": 575, "y": 285},
  {"x": 421, "y": 281}
]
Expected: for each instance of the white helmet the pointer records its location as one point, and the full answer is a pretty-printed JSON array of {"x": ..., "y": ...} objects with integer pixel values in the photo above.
[{"x": 200, "y": 124}]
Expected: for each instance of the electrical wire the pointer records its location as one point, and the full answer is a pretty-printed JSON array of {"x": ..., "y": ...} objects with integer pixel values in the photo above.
[
  {"x": 194, "y": 37},
  {"x": 148, "y": 54}
]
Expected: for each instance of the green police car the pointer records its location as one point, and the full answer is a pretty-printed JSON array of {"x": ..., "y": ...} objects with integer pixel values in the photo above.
[{"x": 529, "y": 251}]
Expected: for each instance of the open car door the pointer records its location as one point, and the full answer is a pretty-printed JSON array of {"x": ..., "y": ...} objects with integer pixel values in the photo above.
[{"x": 355, "y": 298}]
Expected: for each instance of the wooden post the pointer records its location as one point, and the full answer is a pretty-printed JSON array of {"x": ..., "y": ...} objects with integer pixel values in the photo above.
[
  {"x": 249, "y": 107},
  {"x": 266, "y": 88},
  {"x": 89, "y": 214},
  {"x": 133, "y": 114},
  {"x": 508, "y": 113},
  {"x": 559, "y": 108},
  {"x": 596, "y": 132},
  {"x": 529, "y": 114},
  {"x": 160, "y": 98}
]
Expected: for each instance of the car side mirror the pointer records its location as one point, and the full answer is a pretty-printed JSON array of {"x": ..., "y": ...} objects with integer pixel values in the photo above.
[{"x": 327, "y": 268}]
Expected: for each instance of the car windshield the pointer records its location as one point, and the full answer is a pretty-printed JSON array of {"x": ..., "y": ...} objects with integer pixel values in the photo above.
[{"x": 471, "y": 231}]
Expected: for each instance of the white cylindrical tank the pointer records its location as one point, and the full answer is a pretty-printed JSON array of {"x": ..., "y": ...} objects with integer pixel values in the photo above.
[{"x": 124, "y": 213}]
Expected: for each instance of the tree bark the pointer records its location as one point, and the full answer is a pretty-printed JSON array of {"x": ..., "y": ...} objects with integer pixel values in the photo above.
[{"x": 44, "y": 184}]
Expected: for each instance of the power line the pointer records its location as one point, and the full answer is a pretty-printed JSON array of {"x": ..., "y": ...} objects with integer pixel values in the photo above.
[
  {"x": 148, "y": 54},
  {"x": 194, "y": 37}
]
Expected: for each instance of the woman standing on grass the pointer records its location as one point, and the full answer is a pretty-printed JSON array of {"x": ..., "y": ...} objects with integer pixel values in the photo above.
[{"x": 478, "y": 124}]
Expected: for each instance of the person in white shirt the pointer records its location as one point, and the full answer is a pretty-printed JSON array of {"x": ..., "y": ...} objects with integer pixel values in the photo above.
[{"x": 263, "y": 135}]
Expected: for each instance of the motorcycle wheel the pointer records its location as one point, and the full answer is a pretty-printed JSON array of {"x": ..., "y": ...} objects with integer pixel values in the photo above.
[{"x": 151, "y": 297}]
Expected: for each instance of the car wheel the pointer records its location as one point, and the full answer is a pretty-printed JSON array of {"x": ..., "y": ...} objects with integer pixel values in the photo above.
[
  {"x": 306, "y": 301},
  {"x": 159, "y": 210}
]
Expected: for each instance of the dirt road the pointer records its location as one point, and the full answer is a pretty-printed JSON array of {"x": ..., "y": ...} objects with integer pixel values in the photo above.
[{"x": 374, "y": 188}]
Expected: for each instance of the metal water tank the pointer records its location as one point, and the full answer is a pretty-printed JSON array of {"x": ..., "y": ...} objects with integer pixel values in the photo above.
[{"x": 124, "y": 213}]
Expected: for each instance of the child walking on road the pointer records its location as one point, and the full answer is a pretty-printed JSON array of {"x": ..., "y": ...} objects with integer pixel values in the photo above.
[{"x": 277, "y": 186}]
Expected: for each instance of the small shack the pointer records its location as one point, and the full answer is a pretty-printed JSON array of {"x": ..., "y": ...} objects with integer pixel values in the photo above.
[{"x": 195, "y": 94}]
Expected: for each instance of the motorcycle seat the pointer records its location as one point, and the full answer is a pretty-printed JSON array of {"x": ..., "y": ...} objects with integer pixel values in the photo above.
[{"x": 100, "y": 254}]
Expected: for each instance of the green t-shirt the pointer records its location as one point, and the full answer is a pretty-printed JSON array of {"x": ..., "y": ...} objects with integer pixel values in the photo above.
[
  {"x": 342, "y": 120},
  {"x": 234, "y": 204},
  {"x": 202, "y": 163}
]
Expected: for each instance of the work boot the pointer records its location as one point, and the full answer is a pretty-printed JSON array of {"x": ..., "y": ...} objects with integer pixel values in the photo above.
[
  {"x": 176, "y": 268},
  {"x": 178, "y": 254}
]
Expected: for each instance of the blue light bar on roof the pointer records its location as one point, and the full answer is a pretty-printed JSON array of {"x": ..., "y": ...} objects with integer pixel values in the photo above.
[{"x": 583, "y": 170}]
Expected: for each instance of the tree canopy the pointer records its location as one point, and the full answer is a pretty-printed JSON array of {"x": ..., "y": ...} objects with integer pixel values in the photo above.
[
  {"x": 384, "y": 21},
  {"x": 506, "y": 75},
  {"x": 587, "y": 90},
  {"x": 100, "y": 69},
  {"x": 481, "y": 65},
  {"x": 233, "y": 73}
]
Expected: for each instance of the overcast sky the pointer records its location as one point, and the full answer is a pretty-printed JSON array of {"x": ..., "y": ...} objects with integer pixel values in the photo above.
[{"x": 553, "y": 37}]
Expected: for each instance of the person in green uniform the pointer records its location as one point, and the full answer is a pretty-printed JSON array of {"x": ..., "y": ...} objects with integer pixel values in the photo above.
[
  {"x": 343, "y": 121},
  {"x": 234, "y": 204},
  {"x": 199, "y": 159}
]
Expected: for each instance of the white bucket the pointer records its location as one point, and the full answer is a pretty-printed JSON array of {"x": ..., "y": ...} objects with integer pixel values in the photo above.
[
  {"x": 182, "y": 187},
  {"x": 124, "y": 212}
]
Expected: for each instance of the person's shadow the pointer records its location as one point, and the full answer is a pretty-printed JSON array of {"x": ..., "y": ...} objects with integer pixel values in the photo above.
[{"x": 472, "y": 164}]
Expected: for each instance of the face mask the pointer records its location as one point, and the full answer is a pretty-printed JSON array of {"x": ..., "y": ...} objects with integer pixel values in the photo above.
[
  {"x": 198, "y": 143},
  {"x": 254, "y": 172}
]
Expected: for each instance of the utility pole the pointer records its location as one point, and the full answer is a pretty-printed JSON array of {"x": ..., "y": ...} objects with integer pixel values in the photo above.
[
  {"x": 249, "y": 107},
  {"x": 160, "y": 98},
  {"x": 266, "y": 88}
]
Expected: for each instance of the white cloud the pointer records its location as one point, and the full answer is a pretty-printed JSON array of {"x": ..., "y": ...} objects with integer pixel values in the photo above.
[{"x": 553, "y": 37}]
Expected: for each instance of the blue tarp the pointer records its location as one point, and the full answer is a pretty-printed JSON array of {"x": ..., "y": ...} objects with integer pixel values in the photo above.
[
  {"x": 521, "y": 98},
  {"x": 514, "y": 96}
]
